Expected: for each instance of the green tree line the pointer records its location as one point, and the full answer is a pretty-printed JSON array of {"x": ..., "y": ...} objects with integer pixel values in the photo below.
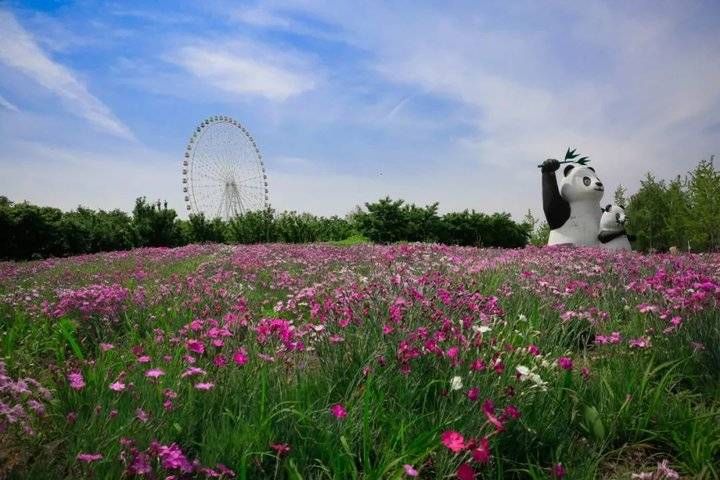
[
  {"x": 28, "y": 231},
  {"x": 683, "y": 212}
]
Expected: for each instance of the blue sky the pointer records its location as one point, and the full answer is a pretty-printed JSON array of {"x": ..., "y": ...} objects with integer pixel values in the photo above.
[{"x": 455, "y": 102}]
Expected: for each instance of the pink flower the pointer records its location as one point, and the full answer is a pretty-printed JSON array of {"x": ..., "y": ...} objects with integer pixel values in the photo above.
[
  {"x": 281, "y": 448},
  {"x": 140, "y": 464},
  {"x": 339, "y": 411},
  {"x": 565, "y": 363},
  {"x": 154, "y": 373},
  {"x": 77, "y": 382},
  {"x": 481, "y": 453},
  {"x": 142, "y": 415},
  {"x": 558, "y": 471},
  {"x": 410, "y": 471},
  {"x": 192, "y": 371},
  {"x": 478, "y": 365},
  {"x": 489, "y": 411},
  {"x": 106, "y": 346},
  {"x": 641, "y": 343},
  {"x": 533, "y": 350},
  {"x": 173, "y": 458},
  {"x": 453, "y": 440},
  {"x": 144, "y": 359},
  {"x": 204, "y": 386},
  {"x": 89, "y": 457},
  {"x": 220, "y": 361},
  {"x": 117, "y": 386},
  {"x": 473, "y": 394},
  {"x": 195, "y": 346},
  {"x": 240, "y": 357},
  {"x": 512, "y": 412},
  {"x": 465, "y": 472}
]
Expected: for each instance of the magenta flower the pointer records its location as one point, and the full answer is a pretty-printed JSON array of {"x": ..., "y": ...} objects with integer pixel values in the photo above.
[
  {"x": 512, "y": 412},
  {"x": 77, "y": 382},
  {"x": 89, "y": 457},
  {"x": 558, "y": 471},
  {"x": 144, "y": 359},
  {"x": 533, "y": 350},
  {"x": 240, "y": 357},
  {"x": 154, "y": 373},
  {"x": 453, "y": 440},
  {"x": 173, "y": 458},
  {"x": 473, "y": 394},
  {"x": 465, "y": 472},
  {"x": 281, "y": 448},
  {"x": 338, "y": 411},
  {"x": 140, "y": 465},
  {"x": 481, "y": 453},
  {"x": 195, "y": 346},
  {"x": 220, "y": 361},
  {"x": 489, "y": 411},
  {"x": 204, "y": 386},
  {"x": 565, "y": 363}
]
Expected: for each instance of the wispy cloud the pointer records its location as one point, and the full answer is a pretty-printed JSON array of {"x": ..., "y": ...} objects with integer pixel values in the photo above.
[
  {"x": 7, "y": 105},
  {"x": 237, "y": 68},
  {"x": 20, "y": 51}
]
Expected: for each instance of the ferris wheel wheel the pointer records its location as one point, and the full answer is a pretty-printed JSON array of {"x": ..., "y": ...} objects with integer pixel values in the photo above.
[{"x": 223, "y": 172}]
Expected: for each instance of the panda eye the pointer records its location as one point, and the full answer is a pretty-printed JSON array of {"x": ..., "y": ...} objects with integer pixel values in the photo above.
[{"x": 586, "y": 181}]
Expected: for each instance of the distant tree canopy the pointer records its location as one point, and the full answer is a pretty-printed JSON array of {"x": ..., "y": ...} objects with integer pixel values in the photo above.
[
  {"x": 683, "y": 213},
  {"x": 28, "y": 231},
  {"x": 387, "y": 221}
]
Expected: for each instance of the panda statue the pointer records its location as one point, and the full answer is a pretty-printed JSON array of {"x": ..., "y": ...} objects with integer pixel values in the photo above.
[
  {"x": 572, "y": 210},
  {"x": 612, "y": 234}
]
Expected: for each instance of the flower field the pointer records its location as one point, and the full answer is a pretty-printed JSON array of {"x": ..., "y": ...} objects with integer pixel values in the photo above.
[{"x": 403, "y": 361}]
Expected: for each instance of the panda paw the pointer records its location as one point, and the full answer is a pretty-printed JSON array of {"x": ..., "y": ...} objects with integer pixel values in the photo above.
[{"x": 550, "y": 165}]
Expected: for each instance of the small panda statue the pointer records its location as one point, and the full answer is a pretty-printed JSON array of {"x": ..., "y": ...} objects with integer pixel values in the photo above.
[
  {"x": 573, "y": 209},
  {"x": 612, "y": 234}
]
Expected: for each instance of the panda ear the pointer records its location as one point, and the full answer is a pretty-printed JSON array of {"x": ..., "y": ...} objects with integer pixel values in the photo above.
[
  {"x": 567, "y": 170},
  {"x": 608, "y": 207},
  {"x": 591, "y": 168}
]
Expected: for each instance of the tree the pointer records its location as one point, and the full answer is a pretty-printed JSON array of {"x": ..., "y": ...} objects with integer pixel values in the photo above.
[
  {"x": 619, "y": 197},
  {"x": 384, "y": 221},
  {"x": 704, "y": 199},
  {"x": 155, "y": 225},
  {"x": 647, "y": 211}
]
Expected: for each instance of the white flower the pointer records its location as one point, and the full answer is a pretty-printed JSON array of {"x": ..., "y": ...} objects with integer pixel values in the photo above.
[
  {"x": 456, "y": 383},
  {"x": 522, "y": 318},
  {"x": 481, "y": 329},
  {"x": 527, "y": 374}
]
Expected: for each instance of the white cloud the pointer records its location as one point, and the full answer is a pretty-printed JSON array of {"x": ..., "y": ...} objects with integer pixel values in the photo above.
[
  {"x": 261, "y": 17},
  {"x": 19, "y": 50},
  {"x": 7, "y": 105},
  {"x": 237, "y": 68},
  {"x": 95, "y": 178}
]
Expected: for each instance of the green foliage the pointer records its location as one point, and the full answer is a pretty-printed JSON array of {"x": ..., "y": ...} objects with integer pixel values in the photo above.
[
  {"x": 156, "y": 225},
  {"x": 684, "y": 213},
  {"x": 387, "y": 221}
]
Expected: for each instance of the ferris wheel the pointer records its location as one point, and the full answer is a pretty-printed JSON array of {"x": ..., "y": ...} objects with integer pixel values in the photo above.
[{"x": 223, "y": 172}]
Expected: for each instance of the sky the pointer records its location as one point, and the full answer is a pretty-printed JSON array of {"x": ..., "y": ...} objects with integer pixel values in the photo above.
[{"x": 435, "y": 101}]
